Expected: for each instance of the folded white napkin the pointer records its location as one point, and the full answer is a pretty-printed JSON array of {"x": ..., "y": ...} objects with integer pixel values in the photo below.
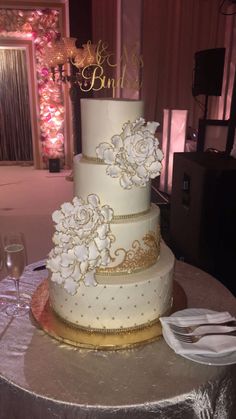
[{"x": 209, "y": 345}]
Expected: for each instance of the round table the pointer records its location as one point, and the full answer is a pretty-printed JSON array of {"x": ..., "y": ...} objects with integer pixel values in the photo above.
[{"x": 42, "y": 378}]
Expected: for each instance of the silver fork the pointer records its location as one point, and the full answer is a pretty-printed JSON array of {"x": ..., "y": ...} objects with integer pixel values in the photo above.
[
  {"x": 196, "y": 338},
  {"x": 190, "y": 329}
]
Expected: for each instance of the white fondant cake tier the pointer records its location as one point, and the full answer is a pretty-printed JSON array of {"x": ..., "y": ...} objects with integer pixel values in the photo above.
[
  {"x": 103, "y": 118},
  {"x": 90, "y": 177},
  {"x": 119, "y": 302}
]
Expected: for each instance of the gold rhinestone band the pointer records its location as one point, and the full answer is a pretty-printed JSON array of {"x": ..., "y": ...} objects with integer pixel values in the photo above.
[
  {"x": 93, "y": 159},
  {"x": 128, "y": 216}
]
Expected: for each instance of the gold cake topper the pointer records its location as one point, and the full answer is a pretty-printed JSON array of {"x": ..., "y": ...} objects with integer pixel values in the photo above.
[{"x": 96, "y": 75}]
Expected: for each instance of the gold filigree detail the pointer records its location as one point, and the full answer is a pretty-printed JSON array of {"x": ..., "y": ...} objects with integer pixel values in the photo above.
[{"x": 140, "y": 257}]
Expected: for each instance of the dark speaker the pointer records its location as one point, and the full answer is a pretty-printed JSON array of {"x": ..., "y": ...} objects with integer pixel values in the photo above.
[
  {"x": 54, "y": 165},
  {"x": 208, "y": 72},
  {"x": 202, "y": 215}
]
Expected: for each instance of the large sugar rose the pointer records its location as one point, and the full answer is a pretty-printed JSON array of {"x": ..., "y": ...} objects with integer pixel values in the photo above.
[
  {"x": 82, "y": 242},
  {"x": 133, "y": 156},
  {"x": 138, "y": 148}
]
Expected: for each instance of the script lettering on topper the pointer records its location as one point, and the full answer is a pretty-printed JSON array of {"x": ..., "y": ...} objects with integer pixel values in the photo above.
[{"x": 98, "y": 80}]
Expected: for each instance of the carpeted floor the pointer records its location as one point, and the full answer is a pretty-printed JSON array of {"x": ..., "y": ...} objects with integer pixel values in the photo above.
[{"x": 27, "y": 199}]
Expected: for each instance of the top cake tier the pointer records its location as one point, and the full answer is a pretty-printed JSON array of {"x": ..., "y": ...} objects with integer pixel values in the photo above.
[{"x": 103, "y": 118}]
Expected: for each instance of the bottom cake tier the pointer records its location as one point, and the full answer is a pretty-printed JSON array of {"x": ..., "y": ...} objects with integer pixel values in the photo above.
[{"x": 119, "y": 302}]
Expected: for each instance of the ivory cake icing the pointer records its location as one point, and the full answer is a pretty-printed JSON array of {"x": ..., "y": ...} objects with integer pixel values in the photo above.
[{"x": 109, "y": 269}]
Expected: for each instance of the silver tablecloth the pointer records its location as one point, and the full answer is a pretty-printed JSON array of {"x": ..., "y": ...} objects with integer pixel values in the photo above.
[{"x": 42, "y": 379}]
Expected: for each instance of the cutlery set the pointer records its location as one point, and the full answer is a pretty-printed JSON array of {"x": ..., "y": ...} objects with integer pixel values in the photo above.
[
  {"x": 196, "y": 338},
  {"x": 190, "y": 329},
  {"x": 185, "y": 333}
]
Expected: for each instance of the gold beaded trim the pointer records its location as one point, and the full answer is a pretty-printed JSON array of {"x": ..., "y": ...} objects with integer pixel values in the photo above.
[
  {"x": 129, "y": 216},
  {"x": 93, "y": 159}
]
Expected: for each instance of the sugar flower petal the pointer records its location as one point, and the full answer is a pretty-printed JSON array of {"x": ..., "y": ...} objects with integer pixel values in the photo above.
[
  {"x": 152, "y": 126},
  {"x": 107, "y": 213},
  {"x": 57, "y": 216},
  {"x": 93, "y": 200},
  {"x": 82, "y": 235},
  {"x": 70, "y": 286},
  {"x": 81, "y": 252},
  {"x": 113, "y": 170},
  {"x": 67, "y": 208},
  {"x": 89, "y": 279},
  {"x": 116, "y": 140},
  {"x": 56, "y": 277},
  {"x": 125, "y": 181}
]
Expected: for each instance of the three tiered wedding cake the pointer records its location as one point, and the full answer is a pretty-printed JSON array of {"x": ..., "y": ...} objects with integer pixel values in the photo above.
[{"x": 109, "y": 270}]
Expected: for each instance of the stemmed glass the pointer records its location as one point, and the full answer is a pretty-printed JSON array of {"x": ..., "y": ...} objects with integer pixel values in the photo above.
[{"x": 15, "y": 260}]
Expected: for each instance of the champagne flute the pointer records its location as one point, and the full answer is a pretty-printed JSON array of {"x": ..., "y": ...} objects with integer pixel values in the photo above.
[{"x": 14, "y": 252}]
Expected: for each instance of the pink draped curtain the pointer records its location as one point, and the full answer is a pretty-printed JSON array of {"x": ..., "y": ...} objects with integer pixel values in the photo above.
[
  {"x": 170, "y": 32},
  {"x": 104, "y": 27}
]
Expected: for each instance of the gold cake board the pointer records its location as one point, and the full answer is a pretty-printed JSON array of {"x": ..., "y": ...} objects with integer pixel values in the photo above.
[{"x": 72, "y": 335}]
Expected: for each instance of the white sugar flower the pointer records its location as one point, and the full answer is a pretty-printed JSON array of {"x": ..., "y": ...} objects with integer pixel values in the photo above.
[
  {"x": 81, "y": 238},
  {"x": 128, "y": 155}
]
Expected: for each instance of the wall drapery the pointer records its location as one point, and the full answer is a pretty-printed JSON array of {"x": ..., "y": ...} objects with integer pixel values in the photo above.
[
  {"x": 171, "y": 33},
  {"x": 33, "y": 27},
  {"x": 15, "y": 133}
]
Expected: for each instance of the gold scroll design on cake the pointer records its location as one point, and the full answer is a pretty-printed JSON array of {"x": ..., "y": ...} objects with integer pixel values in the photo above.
[{"x": 138, "y": 258}]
